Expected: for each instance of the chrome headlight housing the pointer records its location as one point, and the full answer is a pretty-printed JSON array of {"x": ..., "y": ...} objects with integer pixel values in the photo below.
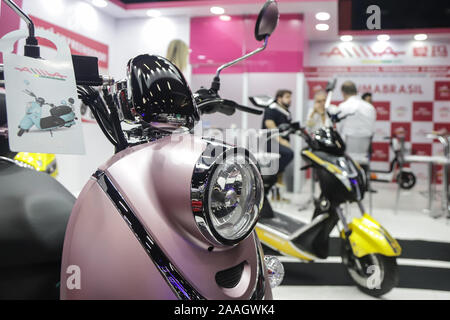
[{"x": 226, "y": 194}]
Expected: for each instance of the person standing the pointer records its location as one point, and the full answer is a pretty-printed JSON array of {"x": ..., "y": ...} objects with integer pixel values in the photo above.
[
  {"x": 360, "y": 116},
  {"x": 317, "y": 116},
  {"x": 275, "y": 115},
  {"x": 367, "y": 97}
]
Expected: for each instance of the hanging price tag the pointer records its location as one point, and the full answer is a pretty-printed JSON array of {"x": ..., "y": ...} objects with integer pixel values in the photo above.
[{"x": 41, "y": 99}]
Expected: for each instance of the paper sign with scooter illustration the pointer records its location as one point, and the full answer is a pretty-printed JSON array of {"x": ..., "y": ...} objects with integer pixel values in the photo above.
[{"x": 41, "y": 99}]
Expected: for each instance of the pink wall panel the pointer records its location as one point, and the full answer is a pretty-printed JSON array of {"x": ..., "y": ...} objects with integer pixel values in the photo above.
[
  {"x": 214, "y": 41},
  {"x": 217, "y": 42}
]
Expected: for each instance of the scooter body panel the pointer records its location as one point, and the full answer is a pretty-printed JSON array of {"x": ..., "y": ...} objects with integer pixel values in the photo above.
[
  {"x": 281, "y": 245},
  {"x": 98, "y": 238},
  {"x": 369, "y": 237}
]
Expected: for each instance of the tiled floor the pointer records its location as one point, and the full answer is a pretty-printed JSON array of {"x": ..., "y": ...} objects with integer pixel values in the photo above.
[{"x": 409, "y": 222}]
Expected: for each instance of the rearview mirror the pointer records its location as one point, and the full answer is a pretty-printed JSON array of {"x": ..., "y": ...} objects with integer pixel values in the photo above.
[
  {"x": 265, "y": 24},
  {"x": 267, "y": 20}
]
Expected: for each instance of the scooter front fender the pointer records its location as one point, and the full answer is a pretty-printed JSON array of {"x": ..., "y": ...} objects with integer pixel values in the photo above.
[
  {"x": 26, "y": 123},
  {"x": 369, "y": 237}
]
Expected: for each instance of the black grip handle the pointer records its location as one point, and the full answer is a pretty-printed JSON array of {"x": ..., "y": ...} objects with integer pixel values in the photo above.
[
  {"x": 86, "y": 71},
  {"x": 241, "y": 107}
]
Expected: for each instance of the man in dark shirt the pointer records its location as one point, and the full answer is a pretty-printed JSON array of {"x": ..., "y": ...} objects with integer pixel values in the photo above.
[{"x": 277, "y": 114}]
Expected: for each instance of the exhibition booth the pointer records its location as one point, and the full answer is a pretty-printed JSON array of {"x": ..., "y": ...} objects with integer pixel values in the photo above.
[{"x": 169, "y": 166}]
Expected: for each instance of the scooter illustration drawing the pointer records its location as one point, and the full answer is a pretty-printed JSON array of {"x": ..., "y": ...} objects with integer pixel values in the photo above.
[{"x": 60, "y": 116}]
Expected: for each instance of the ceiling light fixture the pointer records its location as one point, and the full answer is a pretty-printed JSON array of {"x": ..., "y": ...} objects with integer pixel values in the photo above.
[
  {"x": 420, "y": 37},
  {"x": 217, "y": 10},
  {"x": 346, "y": 38},
  {"x": 323, "y": 16},
  {"x": 322, "y": 27},
  {"x": 153, "y": 13},
  {"x": 383, "y": 37},
  {"x": 100, "y": 3}
]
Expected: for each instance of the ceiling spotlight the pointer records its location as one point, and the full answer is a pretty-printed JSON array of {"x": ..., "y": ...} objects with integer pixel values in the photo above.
[
  {"x": 346, "y": 38},
  {"x": 322, "y": 27},
  {"x": 322, "y": 16},
  {"x": 153, "y": 13},
  {"x": 100, "y": 3},
  {"x": 225, "y": 18},
  {"x": 217, "y": 10},
  {"x": 420, "y": 37},
  {"x": 383, "y": 37}
]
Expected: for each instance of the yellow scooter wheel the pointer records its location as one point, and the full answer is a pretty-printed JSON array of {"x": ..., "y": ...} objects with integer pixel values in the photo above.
[{"x": 373, "y": 274}]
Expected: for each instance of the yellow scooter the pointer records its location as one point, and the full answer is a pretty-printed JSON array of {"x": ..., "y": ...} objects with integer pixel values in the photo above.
[
  {"x": 368, "y": 250},
  {"x": 44, "y": 162}
]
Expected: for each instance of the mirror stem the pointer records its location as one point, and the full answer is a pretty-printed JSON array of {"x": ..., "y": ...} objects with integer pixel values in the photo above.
[
  {"x": 216, "y": 82},
  {"x": 31, "y": 44}
]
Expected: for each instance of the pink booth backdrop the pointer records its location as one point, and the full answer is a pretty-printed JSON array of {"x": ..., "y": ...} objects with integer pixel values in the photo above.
[
  {"x": 9, "y": 20},
  {"x": 214, "y": 42}
]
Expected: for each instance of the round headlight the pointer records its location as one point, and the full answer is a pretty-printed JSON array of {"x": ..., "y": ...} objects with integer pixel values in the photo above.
[{"x": 227, "y": 204}]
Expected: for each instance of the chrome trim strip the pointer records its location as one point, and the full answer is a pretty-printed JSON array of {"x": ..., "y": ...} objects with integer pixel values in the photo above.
[
  {"x": 260, "y": 286},
  {"x": 182, "y": 289}
]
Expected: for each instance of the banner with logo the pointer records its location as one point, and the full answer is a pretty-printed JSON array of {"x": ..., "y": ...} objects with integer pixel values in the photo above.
[
  {"x": 410, "y": 84},
  {"x": 41, "y": 98}
]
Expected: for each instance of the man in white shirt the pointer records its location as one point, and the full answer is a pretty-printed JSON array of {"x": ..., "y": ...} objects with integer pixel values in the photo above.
[
  {"x": 359, "y": 122},
  {"x": 360, "y": 115}
]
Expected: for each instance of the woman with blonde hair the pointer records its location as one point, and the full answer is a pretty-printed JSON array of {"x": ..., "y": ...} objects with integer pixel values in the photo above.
[{"x": 177, "y": 53}]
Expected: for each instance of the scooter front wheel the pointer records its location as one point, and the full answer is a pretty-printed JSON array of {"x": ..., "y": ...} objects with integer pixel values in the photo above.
[{"x": 373, "y": 274}]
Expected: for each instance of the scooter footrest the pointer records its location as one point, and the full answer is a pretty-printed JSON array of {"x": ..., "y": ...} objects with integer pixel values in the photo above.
[{"x": 282, "y": 223}]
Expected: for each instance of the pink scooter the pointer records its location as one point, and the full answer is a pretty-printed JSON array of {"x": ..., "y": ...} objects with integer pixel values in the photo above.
[{"x": 170, "y": 215}]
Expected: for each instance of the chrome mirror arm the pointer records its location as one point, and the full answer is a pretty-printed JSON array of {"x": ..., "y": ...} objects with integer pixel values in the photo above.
[
  {"x": 215, "y": 85},
  {"x": 31, "y": 44},
  {"x": 22, "y": 15},
  {"x": 248, "y": 55}
]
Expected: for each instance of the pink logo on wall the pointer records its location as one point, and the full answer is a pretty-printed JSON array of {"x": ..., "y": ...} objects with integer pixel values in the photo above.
[
  {"x": 78, "y": 44},
  {"x": 401, "y": 112},
  {"x": 442, "y": 90},
  {"x": 380, "y": 151},
  {"x": 365, "y": 51},
  {"x": 421, "y": 149},
  {"x": 382, "y": 131},
  {"x": 383, "y": 109},
  {"x": 444, "y": 111},
  {"x": 422, "y": 111},
  {"x": 402, "y": 129}
]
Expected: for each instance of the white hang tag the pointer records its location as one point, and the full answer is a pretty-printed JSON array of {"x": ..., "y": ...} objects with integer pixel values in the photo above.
[{"x": 42, "y": 105}]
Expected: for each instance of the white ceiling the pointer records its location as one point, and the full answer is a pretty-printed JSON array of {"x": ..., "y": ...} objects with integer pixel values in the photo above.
[{"x": 307, "y": 8}]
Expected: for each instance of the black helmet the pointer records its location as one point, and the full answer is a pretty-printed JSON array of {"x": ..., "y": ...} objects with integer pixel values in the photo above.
[{"x": 157, "y": 92}]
